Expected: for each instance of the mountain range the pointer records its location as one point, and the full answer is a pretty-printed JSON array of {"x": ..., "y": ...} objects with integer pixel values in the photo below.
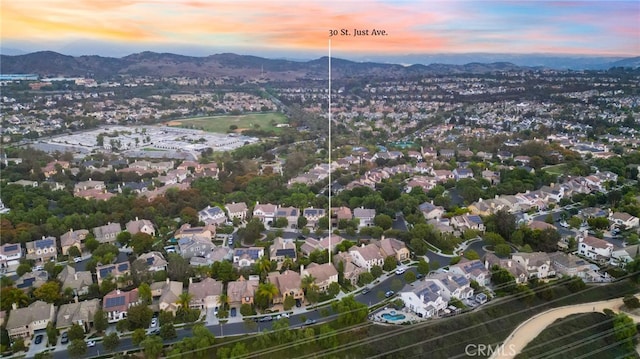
[{"x": 244, "y": 67}]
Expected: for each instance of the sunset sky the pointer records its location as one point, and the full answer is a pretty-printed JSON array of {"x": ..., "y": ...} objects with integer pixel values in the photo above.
[{"x": 117, "y": 27}]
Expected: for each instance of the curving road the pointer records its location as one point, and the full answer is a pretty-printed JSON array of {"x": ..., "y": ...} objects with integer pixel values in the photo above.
[{"x": 531, "y": 328}]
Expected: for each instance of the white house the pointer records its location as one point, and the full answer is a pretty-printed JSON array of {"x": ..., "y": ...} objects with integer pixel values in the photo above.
[
  {"x": 237, "y": 210},
  {"x": 594, "y": 248},
  {"x": 623, "y": 219},
  {"x": 366, "y": 256},
  {"x": 365, "y": 216},
  {"x": 212, "y": 215},
  {"x": 472, "y": 270},
  {"x": 424, "y": 299},
  {"x": 10, "y": 255},
  {"x": 266, "y": 213},
  {"x": 537, "y": 264}
]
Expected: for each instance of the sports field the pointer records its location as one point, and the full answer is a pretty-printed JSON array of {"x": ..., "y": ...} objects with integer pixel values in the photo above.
[
  {"x": 222, "y": 124},
  {"x": 556, "y": 169}
]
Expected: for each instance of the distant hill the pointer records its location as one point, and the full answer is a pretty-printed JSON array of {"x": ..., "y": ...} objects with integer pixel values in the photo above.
[{"x": 242, "y": 67}]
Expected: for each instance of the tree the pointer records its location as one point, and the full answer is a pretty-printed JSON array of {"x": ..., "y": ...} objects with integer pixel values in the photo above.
[
  {"x": 144, "y": 292},
  {"x": 350, "y": 312},
  {"x": 138, "y": 336},
  {"x": 178, "y": 268},
  {"x": 376, "y": 271},
  {"x": 419, "y": 246},
  {"x": 10, "y": 296},
  {"x": 23, "y": 268},
  {"x": 246, "y": 310},
  {"x": 141, "y": 242},
  {"x": 139, "y": 316},
  {"x": 263, "y": 266},
  {"x": 631, "y": 301},
  {"x": 184, "y": 299},
  {"x": 52, "y": 333},
  {"x": 122, "y": 325},
  {"x": 574, "y": 222},
  {"x": 91, "y": 244},
  {"x": 409, "y": 277},
  {"x": 265, "y": 294},
  {"x": 76, "y": 331},
  {"x": 152, "y": 346},
  {"x": 390, "y": 263},
  {"x": 289, "y": 302},
  {"x": 625, "y": 330},
  {"x": 123, "y": 238},
  {"x": 307, "y": 282},
  {"x": 74, "y": 252},
  {"x": 166, "y": 317},
  {"x": 313, "y": 295},
  {"x": 168, "y": 331},
  {"x": 470, "y": 254},
  {"x": 77, "y": 348},
  {"x": 365, "y": 278},
  {"x": 18, "y": 345},
  {"x": 100, "y": 321},
  {"x": 334, "y": 289},
  {"x": 111, "y": 341},
  {"x": 423, "y": 266},
  {"x": 383, "y": 221},
  {"x": 503, "y": 250}
]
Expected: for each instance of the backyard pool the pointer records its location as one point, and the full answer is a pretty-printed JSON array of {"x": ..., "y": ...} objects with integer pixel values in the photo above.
[{"x": 393, "y": 316}]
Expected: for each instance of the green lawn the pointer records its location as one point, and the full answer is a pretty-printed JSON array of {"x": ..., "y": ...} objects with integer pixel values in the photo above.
[
  {"x": 221, "y": 124},
  {"x": 556, "y": 169}
]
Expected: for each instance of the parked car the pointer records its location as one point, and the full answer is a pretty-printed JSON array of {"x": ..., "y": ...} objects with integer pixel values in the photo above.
[
  {"x": 154, "y": 322},
  {"x": 39, "y": 338},
  {"x": 366, "y": 290},
  {"x": 77, "y": 259},
  {"x": 298, "y": 303},
  {"x": 309, "y": 322},
  {"x": 401, "y": 270},
  {"x": 91, "y": 343},
  {"x": 64, "y": 339},
  {"x": 419, "y": 276},
  {"x": 389, "y": 294},
  {"x": 267, "y": 318},
  {"x": 154, "y": 331},
  {"x": 234, "y": 312}
]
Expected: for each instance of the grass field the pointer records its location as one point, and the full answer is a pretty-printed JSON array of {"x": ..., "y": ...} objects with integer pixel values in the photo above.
[
  {"x": 221, "y": 124},
  {"x": 556, "y": 169}
]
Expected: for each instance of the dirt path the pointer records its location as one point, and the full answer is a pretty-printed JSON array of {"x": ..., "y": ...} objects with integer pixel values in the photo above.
[{"x": 531, "y": 328}]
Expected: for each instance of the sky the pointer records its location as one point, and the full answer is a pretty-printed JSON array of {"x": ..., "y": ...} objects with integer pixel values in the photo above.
[{"x": 297, "y": 28}]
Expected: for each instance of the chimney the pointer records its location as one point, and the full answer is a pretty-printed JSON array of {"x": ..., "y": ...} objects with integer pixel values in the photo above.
[
  {"x": 136, "y": 218},
  {"x": 190, "y": 280},
  {"x": 75, "y": 299},
  {"x": 14, "y": 306},
  {"x": 75, "y": 276},
  {"x": 509, "y": 263},
  {"x": 168, "y": 280},
  {"x": 118, "y": 291},
  {"x": 301, "y": 269}
]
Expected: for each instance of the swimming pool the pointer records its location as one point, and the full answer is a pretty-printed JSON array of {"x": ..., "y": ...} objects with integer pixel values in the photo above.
[{"x": 393, "y": 317}]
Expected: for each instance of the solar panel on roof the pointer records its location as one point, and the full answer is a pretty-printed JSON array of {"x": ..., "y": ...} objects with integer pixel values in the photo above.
[
  {"x": 11, "y": 248},
  {"x": 123, "y": 267},
  {"x": 150, "y": 260},
  {"x": 114, "y": 302},
  {"x": 288, "y": 252},
  {"x": 106, "y": 271}
]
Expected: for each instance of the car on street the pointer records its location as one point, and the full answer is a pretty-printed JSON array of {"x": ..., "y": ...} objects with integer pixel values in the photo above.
[
  {"x": 366, "y": 290},
  {"x": 91, "y": 343},
  {"x": 77, "y": 259},
  {"x": 64, "y": 339},
  {"x": 419, "y": 276},
  {"x": 154, "y": 322},
  {"x": 401, "y": 270},
  {"x": 309, "y": 322},
  {"x": 267, "y": 318},
  {"x": 39, "y": 338},
  {"x": 389, "y": 294}
]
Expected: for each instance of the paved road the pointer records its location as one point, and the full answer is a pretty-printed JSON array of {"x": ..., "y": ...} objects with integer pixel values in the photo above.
[{"x": 530, "y": 329}]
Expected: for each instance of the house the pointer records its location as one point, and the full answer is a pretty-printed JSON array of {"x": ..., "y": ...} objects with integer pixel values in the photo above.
[
  {"x": 266, "y": 213},
  {"x": 462, "y": 173},
  {"x": 10, "y": 255},
  {"x": 116, "y": 304},
  {"x": 431, "y": 211},
  {"x": 241, "y": 291},
  {"x": 237, "y": 210},
  {"x": 186, "y": 231},
  {"x": 205, "y": 294},
  {"x": 217, "y": 254},
  {"x": 245, "y": 257},
  {"x": 291, "y": 214},
  {"x": 451, "y": 285},
  {"x": 393, "y": 247},
  {"x": 78, "y": 281},
  {"x": 328, "y": 243},
  {"x": 81, "y": 313},
  {"x": 537, "y": 264},
  {"x": 32, "y": 280},
  {"x": 541, "y": 226},
  {"x": 153, "y": 261},
  {"x": 492, "y": 176},
  {"x": 313, "y": 215},
  {"x": 282, "y": 249},
  {"x": 442, "y": 176},
  {"x": 366, "y": 256},
  {"x": 52, "y": 167},
  {"x": 625, "y": 255},
  {"x": 365, "y": 216},
  {"x": 107, "y": 233},
  {"x": 73, "y": 239},
  {"x": 324, "y": 274},
  {"x": 140, "y": 225},
  {"x": 212, "y": 215},
  {"x": 350, "y": 271},
  {"x": 594, "y": 248},
  {"x": 289, "y": 283},
  {"x": 195, "y": 247},
  {"x": 573, "y": 266},
  {"x": 468, "y": 221},
  {"x": 42, "y": 250},
  {"x": 89, "y": 185},
  {"x": 114, "y": 271},
  {"x": 517, "y": 270},
  {"x": 23, "y": 322},
  {"x": 624, "y": 220},
  {"x": 472, "y": 270},
  {"x": 167, "y": 293},
  {"x": 340, "y": 213},
  {"x": 423, "y": 299}
]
